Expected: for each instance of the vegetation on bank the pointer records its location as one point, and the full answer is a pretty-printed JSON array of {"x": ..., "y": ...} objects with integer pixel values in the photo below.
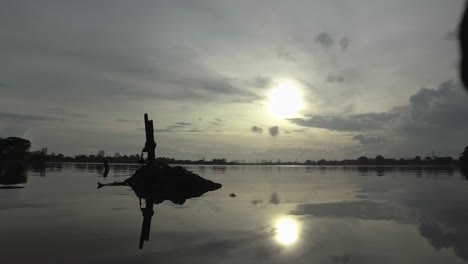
[{"x": 14, "y": 148}]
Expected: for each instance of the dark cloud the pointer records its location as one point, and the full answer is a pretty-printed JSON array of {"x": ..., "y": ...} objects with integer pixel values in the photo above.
[
  {"x": 261, "y": 81},
  {"x": 29, "y": 118},
  {"x": 286, "y": 55},
  {"x": 436, "y": 115},
  {"x": 353, "y": 123},
  {"x": 217, "y": 122},
  {"x": 183, "y": 123},
  {"x": 224, "y": 88},
  {"x": 344, "y": 43},
  {"x": 325, "y": 40},
  {"x": 274, "y": 131},
  {"x": 370, "y": 139},
  {"x": 178, "y": 127},
  {"x": 124, "y": 120},
  {"x": 257, "y": 129},
  {"x": 335, "y": 79},
  {"x": 67, "y": 113}
]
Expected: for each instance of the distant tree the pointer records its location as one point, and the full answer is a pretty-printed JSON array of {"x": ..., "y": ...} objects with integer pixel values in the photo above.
[
  {"x": 363, "y": 160},
  {"x": 464, "y": 157},
  {"x": 13, "y": 148},
  {"x": 379, "y": 160}
]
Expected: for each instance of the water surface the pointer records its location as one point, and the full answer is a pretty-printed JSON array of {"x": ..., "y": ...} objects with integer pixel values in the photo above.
[{"x": 281, "y": 214}]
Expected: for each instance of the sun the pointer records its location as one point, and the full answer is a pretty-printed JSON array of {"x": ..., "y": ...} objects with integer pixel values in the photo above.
[{"x": 285, "y": 99}]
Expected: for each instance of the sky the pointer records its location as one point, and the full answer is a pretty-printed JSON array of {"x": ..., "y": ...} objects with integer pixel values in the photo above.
[{"x": 241, "y": 80}]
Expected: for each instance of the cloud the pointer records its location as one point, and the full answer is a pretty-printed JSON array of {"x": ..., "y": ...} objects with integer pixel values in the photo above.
[
  {"x": 224, "y": 88},
  {"x": 257, "y": 129},
  {"x": 335, "y": 79},
  {"x": 369, "y": 139},
  {"x": 26, "y": 117},
  {"x": 351, "y": 123},
  {"x": 286, "y": 55},
  {"x": 274, "y": 131},
  {"x": 183, "y": 123},
  {"x": 325, "y": 40},
  {"x": 217, "y": 122},
  {"x": 124, "y": 120},
  {"x": 261, "y": 81},
  {"x": 344, "y": 43},
  {"x": 432, "y": 119}
]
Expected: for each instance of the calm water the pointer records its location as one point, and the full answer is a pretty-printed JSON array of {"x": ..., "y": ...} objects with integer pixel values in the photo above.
[{"x": 280, "y": 215}]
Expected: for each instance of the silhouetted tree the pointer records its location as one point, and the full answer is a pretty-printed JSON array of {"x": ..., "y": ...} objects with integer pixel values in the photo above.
[
  {"x": 379, "y": 160},
  {"x": 464, "y": 157},
  {"x": 13, "y": 148}
]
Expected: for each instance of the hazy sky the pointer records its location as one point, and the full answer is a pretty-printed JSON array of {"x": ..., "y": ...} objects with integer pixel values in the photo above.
[{"x": 246, "y": 80}]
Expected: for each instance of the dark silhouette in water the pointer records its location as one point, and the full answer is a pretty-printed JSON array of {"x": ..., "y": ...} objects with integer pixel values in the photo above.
[
  {"x": 464, "y": 158},
  {"x": 156, "y": 182},
  {"x": 12, "y": 153},
  {"x": 106, "y": 168}
]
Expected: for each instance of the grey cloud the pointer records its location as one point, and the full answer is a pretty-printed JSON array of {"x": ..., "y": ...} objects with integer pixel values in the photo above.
[
  {"x": 261, "y": 81},
  {"x": 124, "y": 120},
  {"x": 217, "y": 122},
  {"x": 434, "y": 115},
  {"x": 274, "y": 131},
  {"x": 344, "y": 43},
  {"x": 370, "y": 139},
  {"x": 68, "y": 113},
  {"x": 325, "y": 40},
  {"x": 183, "y": 123},
  {"x": 353, "y": 123},
  {"x": 27, "y": 117},
  {"x": 335, "y": 79},
  {"x": 286, "y": 55},
  {"x": 257, "y": 129}
]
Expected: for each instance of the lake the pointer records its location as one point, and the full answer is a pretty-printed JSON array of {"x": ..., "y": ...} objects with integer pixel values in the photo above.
[{"x": 280, "y": 214}]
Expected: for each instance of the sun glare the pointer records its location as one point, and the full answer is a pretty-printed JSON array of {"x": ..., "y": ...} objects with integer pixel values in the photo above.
[
  {"x": 285, "y": 99},
  {"x": 287, "y": 231}
]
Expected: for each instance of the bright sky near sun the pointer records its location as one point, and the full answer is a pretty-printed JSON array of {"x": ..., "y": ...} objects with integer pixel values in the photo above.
[{"x": 242, "y": 80}]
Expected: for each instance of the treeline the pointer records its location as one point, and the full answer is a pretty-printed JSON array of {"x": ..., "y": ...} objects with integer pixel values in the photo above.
[
  {"x": 380, "y": 160},
  {"x": 13, "y": 148}
]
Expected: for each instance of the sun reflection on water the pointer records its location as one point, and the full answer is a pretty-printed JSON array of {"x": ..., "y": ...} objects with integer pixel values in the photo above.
[{"x": 286, "y": 231}]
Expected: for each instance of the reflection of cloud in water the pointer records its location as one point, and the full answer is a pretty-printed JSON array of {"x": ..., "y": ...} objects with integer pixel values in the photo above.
[
  {"x": 355, "y": 209},
  {"x": 444, "y": 224},
  {"x": 274, "y": 198},
  {"x": 439, "y": 238},
  {"x": 255, "y": 202}
]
